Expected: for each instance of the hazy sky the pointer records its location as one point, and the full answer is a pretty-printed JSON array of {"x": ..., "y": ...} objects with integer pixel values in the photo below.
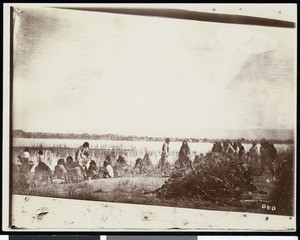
[{"x": 100, "y": 73}]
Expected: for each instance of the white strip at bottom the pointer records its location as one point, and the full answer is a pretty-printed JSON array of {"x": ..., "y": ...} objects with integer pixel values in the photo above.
[{"x": 247, "y": 238}]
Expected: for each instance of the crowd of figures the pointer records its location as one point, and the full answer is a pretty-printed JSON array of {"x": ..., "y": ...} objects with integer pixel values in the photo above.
[
  {"x": 82, "y": 167},
  {"x": 255, "y": 161},
  {"x": 76, "y": 169}
]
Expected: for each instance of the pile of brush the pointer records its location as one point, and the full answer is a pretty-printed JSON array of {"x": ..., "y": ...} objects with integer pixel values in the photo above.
[{"x": 217, "y": 177}]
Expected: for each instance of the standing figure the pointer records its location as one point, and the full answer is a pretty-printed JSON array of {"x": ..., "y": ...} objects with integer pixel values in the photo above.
[
  {"x": 184, "y": 155},
  {"x": 164, "y": 156},
  {"x": 40, "y": 157},
  {"x": 253, "y": 150},
  {"x": 224, "y": 146},
  {"x": 252, "y": 158},
  {"x": 272, "y": 158},
  {"x": 220, "y": 148},
  {"x": 235, "y": 147},
  {"x": 25, "y": 160},
  {"x": 84, "y": 163},
  {"x": 263, "y": 155},
  {"x": 81, "y": 150},
  {"x": 241, "y": 151},
  {"x": 229, "y": 149},
  {"x": 82, "y": 157},
  {"x": 268, "y": 156},
  {"x": 217, "y": 147},
  {"x": 18, "y": 164}
]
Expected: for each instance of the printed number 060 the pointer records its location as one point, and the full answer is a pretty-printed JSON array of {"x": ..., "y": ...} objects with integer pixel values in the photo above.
[{"x": 268, "y": 207}]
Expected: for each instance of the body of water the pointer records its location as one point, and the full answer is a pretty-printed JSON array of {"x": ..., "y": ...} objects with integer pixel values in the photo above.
[{"x": 135, "y": 148}]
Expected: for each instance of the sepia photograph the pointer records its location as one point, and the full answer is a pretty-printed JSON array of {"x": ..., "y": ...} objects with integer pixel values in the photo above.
[{"x": 156, "y": 108}]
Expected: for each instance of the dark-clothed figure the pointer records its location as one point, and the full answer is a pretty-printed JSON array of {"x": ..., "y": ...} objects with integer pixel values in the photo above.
[
  {"x": 217, "y": 147},
  {"x": 69, "y": 163},
  {"x": 235, "y": 147},
  {"x": 224, "y": 146},
  {"x": 121, "y": 160},
  {"x": 272, "y": 151},
  {"x": 214, "y": 148},
  {"x": 198, "y": 158},
  {"x": 40, "y": 155},
  {"x": 241, "y": 151},
  {"x": 252, "y": 158},
  {"x": 184, "y": 155},
  {"x": 144, "y": 165},
  {"x": 74, "y": 170},
  {"x": 92, "y": 172},
  {"x": 42, "y": 173},
  {"x": 107, "y": 170},
  {"x": 18, "y": 164},
  {"x": 138, "y": 166},
  {"x": 107, "y": 161},
  {"x": 253, "y": 149},
  {"x": 121, "y": 167},
  {"x": 59, "y": 169},
  {"x": 268, "y": 156}
]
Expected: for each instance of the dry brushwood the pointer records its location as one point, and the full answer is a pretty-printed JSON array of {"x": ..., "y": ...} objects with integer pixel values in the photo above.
[{"x": 217, "y": 177}]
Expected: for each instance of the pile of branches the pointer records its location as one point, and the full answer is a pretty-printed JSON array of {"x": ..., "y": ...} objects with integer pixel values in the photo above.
[{"x": 218, "y": 177}]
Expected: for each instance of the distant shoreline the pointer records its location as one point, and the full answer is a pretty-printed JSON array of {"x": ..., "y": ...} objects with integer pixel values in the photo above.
[{"x": 116, "y": 137}]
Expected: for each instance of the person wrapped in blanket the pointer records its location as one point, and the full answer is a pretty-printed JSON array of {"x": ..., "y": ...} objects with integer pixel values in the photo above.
[
  {"x": 184, "y": 155},
  {"x": 42, "y": 172},
  {"x": 107, "y": 170},
  {"x": 74, "y": 170},
  {"x": 268, "y": 154},
  {"x": 60, "y": 171}
]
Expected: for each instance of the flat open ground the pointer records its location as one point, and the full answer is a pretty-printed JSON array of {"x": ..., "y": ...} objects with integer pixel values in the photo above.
[{"x": 139, "y": 190}]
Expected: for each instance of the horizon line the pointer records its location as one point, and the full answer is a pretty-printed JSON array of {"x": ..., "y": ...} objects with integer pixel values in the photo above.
[{"x": 163, "y": 137}]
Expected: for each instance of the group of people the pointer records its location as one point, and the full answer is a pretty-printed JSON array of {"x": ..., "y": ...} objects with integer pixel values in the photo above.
[
  {"x": 71, "y": 170},
  {"x": 83, "y": 167},
  {"x": 255, "y": 161},
  {"x": 184, "y": 159},
  {"x": 88, "y": 168},
  {"x": 229, "y": 147},
  {"x": 24, "y": 164}
]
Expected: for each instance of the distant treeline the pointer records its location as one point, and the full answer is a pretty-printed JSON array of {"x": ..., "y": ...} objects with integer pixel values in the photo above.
[{"x": 86, "y": 136}]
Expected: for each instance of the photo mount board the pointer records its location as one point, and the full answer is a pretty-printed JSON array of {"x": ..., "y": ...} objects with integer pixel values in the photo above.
[{"x": 152, "y": 219}]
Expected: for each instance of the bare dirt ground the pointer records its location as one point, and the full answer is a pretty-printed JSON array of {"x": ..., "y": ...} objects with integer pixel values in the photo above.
[{"x": 140, "y": 190}]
